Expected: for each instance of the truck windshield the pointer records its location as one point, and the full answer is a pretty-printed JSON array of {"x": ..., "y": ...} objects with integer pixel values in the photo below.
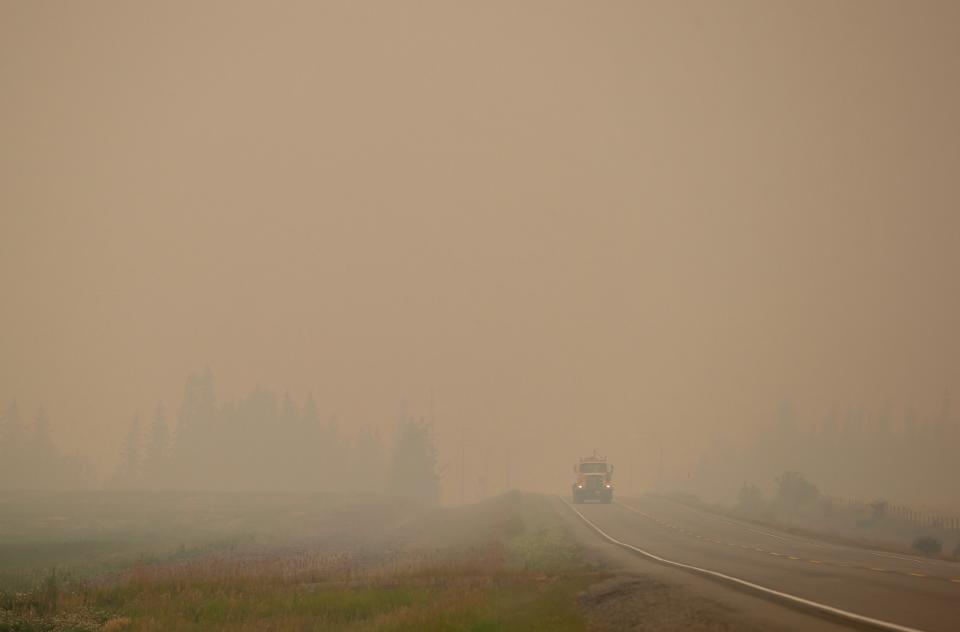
[{"x": 593, "y": 468}]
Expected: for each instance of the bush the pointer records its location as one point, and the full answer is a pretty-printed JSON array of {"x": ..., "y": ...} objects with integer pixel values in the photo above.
[
  {"x": 793, "y": 490},
  {"x": 750, "y": 500},
  {"x": 49, "y": 592},
  {"x": 879, "y": 509},
  {"x": 827, "y": 507},
  {"x": 687, "y": 498},
  {"x": 928, "y": 545}
]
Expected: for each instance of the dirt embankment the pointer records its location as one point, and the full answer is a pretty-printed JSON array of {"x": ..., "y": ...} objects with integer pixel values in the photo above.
[{"x": 636, "y": 602}]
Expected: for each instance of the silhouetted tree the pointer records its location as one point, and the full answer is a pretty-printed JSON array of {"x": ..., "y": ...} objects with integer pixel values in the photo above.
[
  {"x": 129, "y": 471},
  {"x": 43, "y": 460},
  {"x": 11, "y": 447},
  {"x": 31, "y": 460},
  {"x": 750, "y": 501},
  {"x": 413, "y": 466},
  {"x": 793, "y": 490},
  {"x": 368, "y": 462},
  {"x": 309, "y": 448},
  {"x": 262, "y": 443},
  {"x": 195, "y": 430},
  {"x": 290, "y": 450},
  {"x": 155, "y": 462}
]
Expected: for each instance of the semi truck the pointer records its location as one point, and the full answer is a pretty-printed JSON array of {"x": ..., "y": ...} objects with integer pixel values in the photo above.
[{"x": 594, "y": 480}]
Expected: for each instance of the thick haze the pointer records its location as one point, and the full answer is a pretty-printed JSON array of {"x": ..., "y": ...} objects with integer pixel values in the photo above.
[{"x": 617, "y": 225}]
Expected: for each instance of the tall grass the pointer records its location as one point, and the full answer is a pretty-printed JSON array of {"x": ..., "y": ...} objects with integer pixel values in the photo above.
[{"x": 520, "y": 572}]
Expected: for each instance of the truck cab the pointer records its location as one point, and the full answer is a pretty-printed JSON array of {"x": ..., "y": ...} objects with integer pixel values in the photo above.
[{"x": 594, "y": 480}]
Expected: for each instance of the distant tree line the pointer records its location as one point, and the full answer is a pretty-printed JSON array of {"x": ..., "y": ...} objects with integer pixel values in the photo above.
[
  {"x": 30, "y": 460},
  {"x": 261, "y": 442},
  {"x": 884, "y": 453}
]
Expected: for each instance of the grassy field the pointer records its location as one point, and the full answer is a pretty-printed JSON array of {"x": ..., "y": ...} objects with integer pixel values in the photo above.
[{"x": 109, "y": 561}]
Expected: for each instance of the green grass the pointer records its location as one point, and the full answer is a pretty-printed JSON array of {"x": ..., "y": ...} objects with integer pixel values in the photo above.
[
  {"x": 91, "y": 534},
  {"x": 502, "y": 565}
]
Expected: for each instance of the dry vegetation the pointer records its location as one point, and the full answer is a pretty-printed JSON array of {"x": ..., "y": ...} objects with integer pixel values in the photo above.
[{"x": 501, "y": 565}]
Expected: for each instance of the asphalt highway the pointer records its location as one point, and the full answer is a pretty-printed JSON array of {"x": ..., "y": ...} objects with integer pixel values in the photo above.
[{"x": 913, "y": 592}]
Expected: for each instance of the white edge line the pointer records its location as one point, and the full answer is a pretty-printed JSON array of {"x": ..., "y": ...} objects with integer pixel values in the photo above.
[
  {"x": 900, "y": 557},
  {"x": 766, "y": 533},
  {"x": 844, "y": 614},
  {"x": 741, "y": 525}
]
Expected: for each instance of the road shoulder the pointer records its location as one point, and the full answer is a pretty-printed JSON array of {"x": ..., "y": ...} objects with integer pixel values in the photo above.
[{"x": 644, "y": 595}]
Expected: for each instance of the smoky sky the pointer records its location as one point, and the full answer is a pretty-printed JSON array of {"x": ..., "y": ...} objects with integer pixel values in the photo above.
[{"x": 630, "y": 226}]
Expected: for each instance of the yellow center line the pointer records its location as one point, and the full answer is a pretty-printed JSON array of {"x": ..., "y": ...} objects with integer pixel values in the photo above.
[
  {"x": 879, "y": 570},
  {"x": 917, "y": 574},
  {"x": 793, "y": 557},
  {"x": 815, "y": 561},
  {"x": 777, "y": 554}
]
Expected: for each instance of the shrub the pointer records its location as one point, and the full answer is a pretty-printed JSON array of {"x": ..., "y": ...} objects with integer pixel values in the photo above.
[
  {"x": 827, "y": 507},
  {"x": 687, "y": 498},
  {"x": 794, "y": 490},
  {"x": 928, "y": 545},
  {"x": 879, "y": 509},
  {"x": 750, "y": 500},
  {"x": 49, "y": 592}
]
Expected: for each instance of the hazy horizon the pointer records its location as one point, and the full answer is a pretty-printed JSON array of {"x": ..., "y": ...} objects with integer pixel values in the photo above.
[{"x": 551, "y": 227}]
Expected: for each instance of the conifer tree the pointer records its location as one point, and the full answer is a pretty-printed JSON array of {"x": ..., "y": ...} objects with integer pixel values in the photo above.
[
  {"x": 155, "y": 460},
  {"x": 42, "y": 458},
  {"x": 413, "y": 467},
  {"x": 11, "y": 447},
  {"x": 129, "y": 470}
]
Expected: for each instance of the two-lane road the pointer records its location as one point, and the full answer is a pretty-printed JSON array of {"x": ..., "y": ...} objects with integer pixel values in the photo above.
[{"x": 914, "y": 592}]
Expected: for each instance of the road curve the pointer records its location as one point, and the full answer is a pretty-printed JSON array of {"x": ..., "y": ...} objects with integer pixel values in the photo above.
[{"x": 899, "y": 591}]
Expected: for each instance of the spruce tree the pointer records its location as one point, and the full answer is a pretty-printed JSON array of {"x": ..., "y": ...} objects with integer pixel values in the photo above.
[
  {"x": 155, "y": 460},
  {"x": 413, "y": 467},
  {"x": 129, "y": 471}
]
